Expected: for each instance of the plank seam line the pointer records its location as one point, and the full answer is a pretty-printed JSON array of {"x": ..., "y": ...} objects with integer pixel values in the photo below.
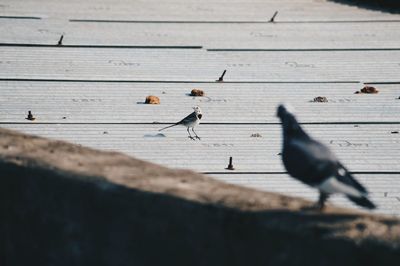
[
  {"x": 19, "y": 17},
  {"x": 383, "y": 82},
  {"x": 301, "y": 49},
  {"x": 166, "y": 21},
  {"x": 183, "y": 81},
  {"x": 206, "y": 123},
  {"x": 228, "y": 22},
  {"x": 282, "y": 173},
  {"x": 102, "y": 46}
]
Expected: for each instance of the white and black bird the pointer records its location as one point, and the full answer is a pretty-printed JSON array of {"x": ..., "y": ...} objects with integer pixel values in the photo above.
[
  {"x": 189, "y": 121},
  {"x": 314, "y": 164}
]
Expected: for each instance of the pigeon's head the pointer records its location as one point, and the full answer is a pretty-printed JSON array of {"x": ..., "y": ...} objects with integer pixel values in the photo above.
[
  {"x": 284, "y": 110},
  {"x": 197, "y": 110},
  {"x": 289, "y": 122}
]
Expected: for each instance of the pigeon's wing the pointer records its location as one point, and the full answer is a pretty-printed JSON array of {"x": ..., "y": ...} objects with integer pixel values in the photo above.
[
  {"x": 344, "y": 182},
  {"x": 318, "y": 163},
  {"x": 345, "y": 177},
  {"x": 309, "y": 160},
  {"x": 188, "y": 119}
]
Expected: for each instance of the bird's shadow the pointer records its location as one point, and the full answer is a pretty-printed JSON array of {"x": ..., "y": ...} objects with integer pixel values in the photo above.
[{"x": 158, "y": 135}]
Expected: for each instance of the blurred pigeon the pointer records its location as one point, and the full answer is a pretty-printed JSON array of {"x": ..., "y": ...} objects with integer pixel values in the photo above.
[
  {"x": 314, "y": 164},
  {"x": 189, "y": 121}
]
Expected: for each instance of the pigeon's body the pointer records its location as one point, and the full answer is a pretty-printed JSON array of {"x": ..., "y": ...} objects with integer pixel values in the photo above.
[
  {"x": 190, "y": 121},
  {"x": 314, "y": 164}
]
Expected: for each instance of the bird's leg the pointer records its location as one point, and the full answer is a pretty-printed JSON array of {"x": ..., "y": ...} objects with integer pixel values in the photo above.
[
  {"x": 190, "y": 136},
  {"x": 321, "y": 201},
  {"x": 197, "y": 137}
]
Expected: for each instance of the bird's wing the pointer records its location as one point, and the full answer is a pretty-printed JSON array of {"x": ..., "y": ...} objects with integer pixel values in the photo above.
[
  {"x": 345, "y": 177},
  {"x": 185, "y": 121},
  {"x": 188, "y": 119},
  {"x": 321, "y": 165},
  {"x": 309, "y": 160}
]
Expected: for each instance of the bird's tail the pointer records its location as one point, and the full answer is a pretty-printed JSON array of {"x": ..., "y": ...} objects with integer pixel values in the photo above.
[
  {"x": 362, "y": 201},
  {"x": 167, "y": 127}
]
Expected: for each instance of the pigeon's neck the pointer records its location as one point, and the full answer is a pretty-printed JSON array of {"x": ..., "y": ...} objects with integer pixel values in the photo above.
[
  {"x": 295, "y": 132},
  {"x": 292, "y": 129}
]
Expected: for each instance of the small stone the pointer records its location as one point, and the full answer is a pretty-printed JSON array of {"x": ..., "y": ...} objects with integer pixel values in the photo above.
[
  {"x": 152, "y": 100},
  {"x": 320, "y": 99},
  {"x": 197, "y": 92},
  {"x": 369, "y": 89}
]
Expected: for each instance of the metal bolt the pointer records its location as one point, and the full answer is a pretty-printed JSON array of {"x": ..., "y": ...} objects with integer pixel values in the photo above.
[
  {"x": 230, "y": 165},
  {"x": 30, "y": 116},
  {"x": 221, "y": 78},
  {"x": 273, "y": 17},
  {"x": 60, "y": 41}
]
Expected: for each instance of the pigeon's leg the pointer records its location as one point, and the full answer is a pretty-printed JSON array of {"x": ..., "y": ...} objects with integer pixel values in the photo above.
[
  {"x": 190, "y": 136},
  {"x": 321, "y": 201},
  {"x": 197, "y": 137}
]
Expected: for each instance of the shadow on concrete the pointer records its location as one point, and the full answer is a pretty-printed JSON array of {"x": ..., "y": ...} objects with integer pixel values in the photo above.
[
  {"x": 391, "y": 6},
  {"x": 53, "y": 219}
]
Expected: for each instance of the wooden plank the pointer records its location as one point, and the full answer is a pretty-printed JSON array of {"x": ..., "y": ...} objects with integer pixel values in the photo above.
[
  {"x": 384, "y": 189},
  {"x": 222, "y": 10},
  {"x": 244, "y": 103},
  {"x": 182, "y": 64},
  {"x": 362, "y": 148},
  {"x": 214, "y": 36}
]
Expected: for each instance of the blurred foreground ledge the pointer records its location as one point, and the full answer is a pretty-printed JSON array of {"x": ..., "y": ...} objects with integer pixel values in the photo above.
[{"x": 62, "y": 204}]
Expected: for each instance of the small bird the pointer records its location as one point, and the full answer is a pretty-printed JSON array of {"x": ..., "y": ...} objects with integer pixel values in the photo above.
[
  {"x": 314, "y": 164},
  {"x": 189, "y": 121}
]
